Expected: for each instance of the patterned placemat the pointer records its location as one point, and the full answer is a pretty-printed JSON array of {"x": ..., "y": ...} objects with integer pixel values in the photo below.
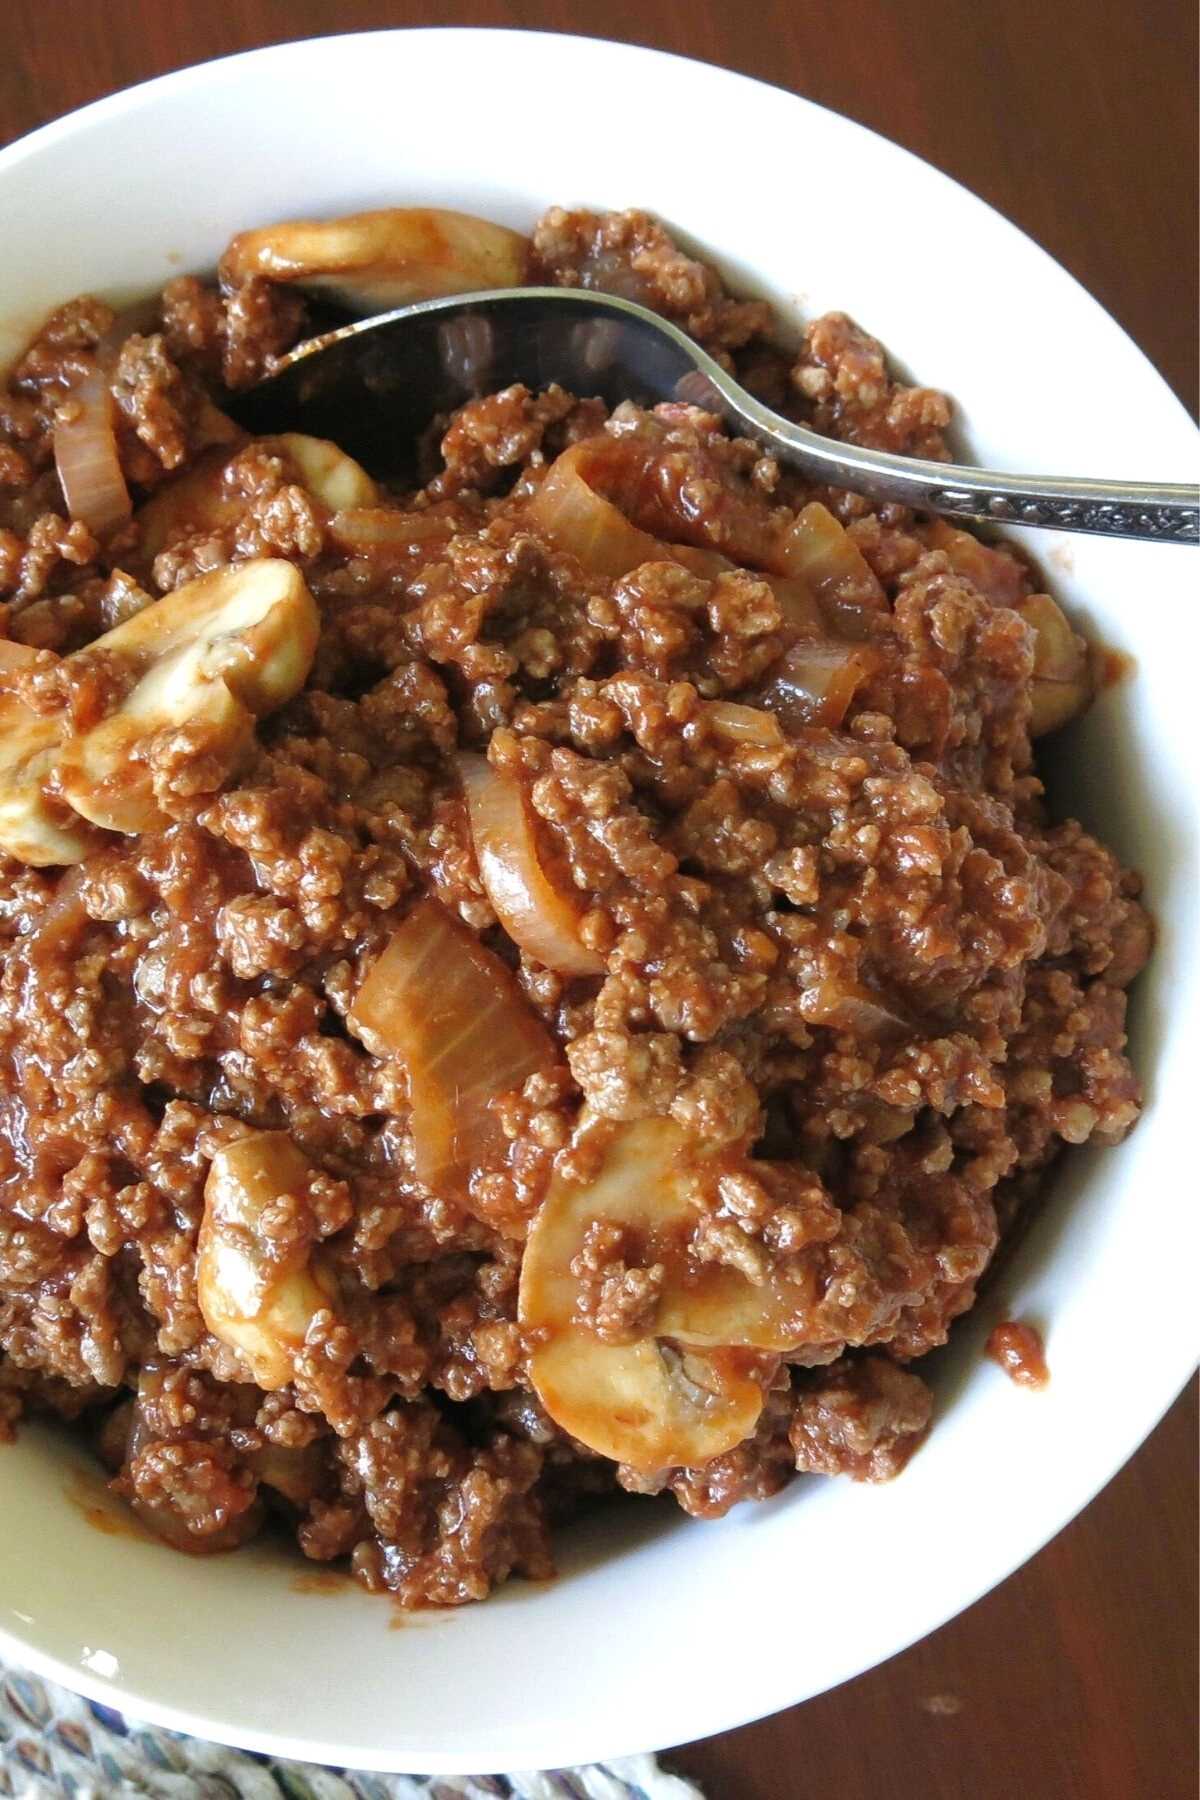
[{"x": 54, "y": 1744}]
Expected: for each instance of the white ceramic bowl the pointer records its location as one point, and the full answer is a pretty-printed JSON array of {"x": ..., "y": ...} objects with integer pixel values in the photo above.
[{"x": 657, "y": 1633}]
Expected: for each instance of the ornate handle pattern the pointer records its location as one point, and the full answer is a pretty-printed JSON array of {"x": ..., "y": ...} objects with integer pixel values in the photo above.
[
  {"x": 1163, "y": 512},
  {"x": 1176, "y": 523}
]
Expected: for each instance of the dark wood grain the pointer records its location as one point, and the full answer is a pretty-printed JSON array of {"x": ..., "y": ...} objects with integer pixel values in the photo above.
[
  {"x": 1077, "y": 118},
  {"x": 1075, "y": 1680}
]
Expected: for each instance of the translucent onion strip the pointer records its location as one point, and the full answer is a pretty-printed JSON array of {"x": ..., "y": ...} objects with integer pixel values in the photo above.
[
  {"x": 749, "y": 725},
  {"x": 615, "y": 503},
  {"x": 451, "y": 1012},
  {"x": 577, "y": 518},
  {"x": 818, "y": 551},
  {"x": 536, "y": 913},
  {"x": 85, "y": 455},
  {"x": 815, "y": 682}
]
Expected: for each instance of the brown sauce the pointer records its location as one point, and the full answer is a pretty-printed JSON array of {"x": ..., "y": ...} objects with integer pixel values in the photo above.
[
  {"x": 90, "y": 1496},
  {"x": 1112, "y": 666},
  {"x": 403, "y": 1618},
  {"x": 321, "y": 1581},
  {"x": 1019, "y": 1351}
]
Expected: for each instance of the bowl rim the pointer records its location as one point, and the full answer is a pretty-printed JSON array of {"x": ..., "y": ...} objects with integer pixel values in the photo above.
[
  {"x": 607, "y": 1740},
  {"x": 79, "y": 118}
]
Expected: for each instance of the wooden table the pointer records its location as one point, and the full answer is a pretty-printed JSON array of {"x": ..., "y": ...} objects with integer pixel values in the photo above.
[{"x": 1077, "y": 118}]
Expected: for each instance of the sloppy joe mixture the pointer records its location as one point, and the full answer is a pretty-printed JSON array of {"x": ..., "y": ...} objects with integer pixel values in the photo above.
[{"x": 552, "y": 982}]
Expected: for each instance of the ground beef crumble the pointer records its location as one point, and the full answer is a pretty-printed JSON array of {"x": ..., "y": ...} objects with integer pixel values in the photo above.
[
  {"x": 859, "y": 943},
  {"x": 862, "y": 1418}
]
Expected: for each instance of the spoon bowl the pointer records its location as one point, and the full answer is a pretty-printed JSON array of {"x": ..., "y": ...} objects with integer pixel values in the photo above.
[{"x": 374, "y": 386}]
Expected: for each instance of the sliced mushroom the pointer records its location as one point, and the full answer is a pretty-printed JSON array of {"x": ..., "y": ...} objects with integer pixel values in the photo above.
[
  {"x": 647, "y": 1404},
  {"x": 693, "y": 1379},
  {"x": 258, "y": 1303},
  {"x": 644, "y": 1183},
  {"x": 331, "y": 476},
  {"x": 34, "y": 826},
  {"x": 1062, "y": 674},
  {"x": 202, "y": 500},
  {"x": 192, "y": 503},
  {"x": 211, "y": 657},
  {"x": 371, "y": 261}
]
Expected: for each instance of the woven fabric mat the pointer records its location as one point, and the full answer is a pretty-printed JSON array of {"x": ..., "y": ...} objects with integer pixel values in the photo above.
[{"x": 55, "y": 1744}]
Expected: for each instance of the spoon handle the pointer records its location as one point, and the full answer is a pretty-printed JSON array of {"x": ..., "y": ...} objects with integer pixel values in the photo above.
[
  {"x": 377, "y": 382},
  {"x": 1162, "y": 511}
]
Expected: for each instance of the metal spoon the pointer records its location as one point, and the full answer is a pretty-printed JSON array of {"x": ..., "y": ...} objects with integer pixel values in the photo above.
[{"x": 375, "y": 385}]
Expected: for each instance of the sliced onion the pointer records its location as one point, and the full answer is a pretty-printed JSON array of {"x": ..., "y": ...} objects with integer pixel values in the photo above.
[
  {"x": 797, "y": 605},
  {"x": 532, "y": 908},
  {"x": 139, "y": 318},
  {"x": 376, "y": 529},
  {"x": 449, "y": 1009},
  {"x": 997, "y": 574},
  {"x": 818, "y": 551},
  {"x": 399, "y": 542},
  {"x": 820, "y": 570},
  {"x": 744, "y": 724},
  {"x": 576, "y": 517},
  {"x": 851, "y": 1006},
  {"x": 815, "y": 682},
  {"x": 615, "y": 503},
  {"x": 650, "y": 485},
  {"x": 809, "y": 551},
  {"x": 85, "y": 455}
]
